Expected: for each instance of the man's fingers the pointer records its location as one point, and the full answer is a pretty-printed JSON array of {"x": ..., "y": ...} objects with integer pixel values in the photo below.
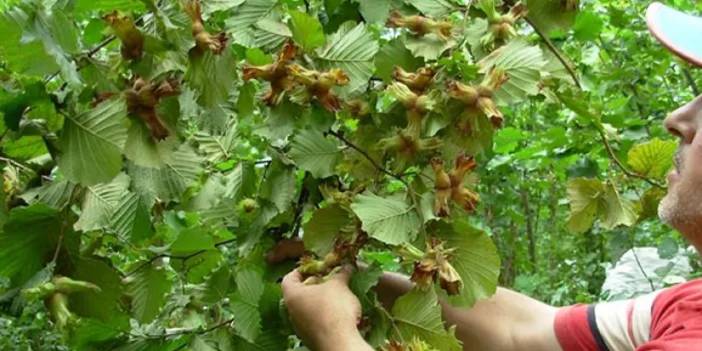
[
  {"x": 344, "y": 275},
  {"x": 291, "y": 280}
]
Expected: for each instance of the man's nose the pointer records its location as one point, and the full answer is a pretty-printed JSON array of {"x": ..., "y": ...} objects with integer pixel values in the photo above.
[{"x": 684, "y": 121}]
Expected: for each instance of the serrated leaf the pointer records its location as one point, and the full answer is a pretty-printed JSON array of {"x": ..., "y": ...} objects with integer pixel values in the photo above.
[
  {"x": 433, "y": 8},
  {"x": 23, "y": 57},
  {"x": 394, "y": 54},
  {"x": 549, "y": 15},
  {"x": 583, "y": 194},
  {"x": 429, "y": 46},
  {"x": 149, "y": 291},
  {"x": 315, "y": 153},
  {"x": 250, "y": 12},
  {"x": 522, "y": 63},
  {"x": 27, "y": 240},
  {"x": 181, "y": 169},
  {"x": 246, "y": 302},
  {"x": 279, "y": 186},
  {"x": 210, "y": 76},
  {"x": 389, "y": 220},
  {"x": 652, "y": 159},
  {"x": 143, "y": 150},
  {"x": 92, "y": 143},
  {"x": 25, "y": 148},
  {"x": 475, "y": 259},
  {"x": 374, "y": 11},
  {"x": 100, "y": 202},
  {"x": 130, "y": 219},
  {"x": 352, "y": 49},
  {"x": 83, "y": 6},
  {"x": 321, "y": 231},
  {"x": 55, "y": 31},
  {"x": 56, "y": 194},
  {"x": 617, "y": 210},
  {"x": 306, "y": 30},
  {"x": 103, "y": 305},
  {"x": 588, "y": 26},
  {"x": 590, "y": 198},
  {"x": 418, "y": 314},
  {"x": 217, "y": 147}
]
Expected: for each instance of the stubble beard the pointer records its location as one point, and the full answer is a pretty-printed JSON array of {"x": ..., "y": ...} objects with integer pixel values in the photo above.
[{"x": 682, "y": 209}]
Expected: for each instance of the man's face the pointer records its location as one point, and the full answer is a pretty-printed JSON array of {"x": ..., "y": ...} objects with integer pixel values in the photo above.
[{"x": 682, "y": 206}]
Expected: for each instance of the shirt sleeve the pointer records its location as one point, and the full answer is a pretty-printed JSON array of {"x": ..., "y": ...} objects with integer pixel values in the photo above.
[{"x": 611, "y": 326}]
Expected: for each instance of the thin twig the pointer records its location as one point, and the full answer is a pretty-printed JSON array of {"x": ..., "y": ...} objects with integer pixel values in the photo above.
[
  {"x": 15, "y": 163},
  {"x": 556, "y": 52},
  {"x": 176, "y": 257},
  {"x": 621, "y": 166},
  {"x": 638, "y": 263},
  {"x": 367, "y": 157},
  {"x": 691, "y": 81},
  {"x": 196, "y": 331}
]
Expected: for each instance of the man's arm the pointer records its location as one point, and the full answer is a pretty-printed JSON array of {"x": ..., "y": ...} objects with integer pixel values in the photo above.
[{"x": 506, "y": 321}]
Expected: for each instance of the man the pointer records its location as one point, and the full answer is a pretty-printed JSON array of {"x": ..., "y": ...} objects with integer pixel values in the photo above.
[{"x": 669, "y": 320}]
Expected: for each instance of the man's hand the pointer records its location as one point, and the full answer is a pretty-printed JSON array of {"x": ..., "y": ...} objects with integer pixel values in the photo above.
[{"x": 324, "y": 315}]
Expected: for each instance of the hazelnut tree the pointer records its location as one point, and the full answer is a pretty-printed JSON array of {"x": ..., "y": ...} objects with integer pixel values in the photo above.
[{"x": 169, "y": 161}]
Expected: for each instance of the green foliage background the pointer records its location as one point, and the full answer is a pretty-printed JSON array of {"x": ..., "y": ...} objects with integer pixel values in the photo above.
[{"x": 173, "y": 235}]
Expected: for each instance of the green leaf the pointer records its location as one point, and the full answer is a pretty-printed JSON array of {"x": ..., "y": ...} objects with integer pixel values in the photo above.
[
  {"x": 210, "y": 76},
  {"x": 100, "y": 202},
  {"x": 13, "y": 104},
  {"x": 321, "y": 231},
  {"x": 522, "y": 63},
  {"x": 418, "y": 314},
  {"x": 130, "y": 219},
  {"x": 103, "y": 305},
  {"x": 549, "y": 15},
  {"x": 245, "y": 304},
  {"x": 306, "y": 30},
  {"x": 250, "y": 12},
  {"x": 27, "y": 242},
  {"x": 149, "y": 290},
  {"x": 475, "y": 259},
  {"x": 92, "y": 143},
  {"x": 652, "y": 159},
  {"x": 590, "y": 198},
  {"x": 55, "y": 31},
  {"x": 374, "y": 11},
  {"x": 25, "y": 148},
  {"x": 583, "y": 194},
  {"x": 83, "y": 6},
  {"x": 181, "y": 169},
  {"x": 429, "y": 46},
  {"x": 143, "y": 150},
  {"x": 23, "y": 57},
  {"x": 192, "y": 240},
  {"x": 617, "y": 210},
  {"x": 588, "y": 26},
  {"x": 56, "y": 194},
  {"x": 389, "y": 220},
  {"x": 352, "y": 49},
  {"x": 279, "y": 186},
  {"x": 315, "y": 153},
  {"x": 394, "y": 54},
  {"x": 433, "y": 8}
]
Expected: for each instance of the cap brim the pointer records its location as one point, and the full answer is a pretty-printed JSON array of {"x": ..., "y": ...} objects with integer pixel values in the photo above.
[{"x": 679, "y": 32}]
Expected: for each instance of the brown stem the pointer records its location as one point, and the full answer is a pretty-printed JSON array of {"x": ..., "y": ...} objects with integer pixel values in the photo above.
[
  {"x": 368, "y": 157},
  {"x": 555, "y": 51}
]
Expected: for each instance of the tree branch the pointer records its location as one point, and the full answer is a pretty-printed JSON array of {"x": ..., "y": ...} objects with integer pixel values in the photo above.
[
  {"x": 690, "y": 81},
  {"x": 621, "y": 166},
  {"x": 175, "y": 257},
  {"x": 368, "y": 157},
  {"x": 555, "y": 51}
]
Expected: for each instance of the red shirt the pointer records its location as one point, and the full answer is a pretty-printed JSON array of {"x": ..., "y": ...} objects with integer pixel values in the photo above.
[{"x": 666, "y": 320}]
